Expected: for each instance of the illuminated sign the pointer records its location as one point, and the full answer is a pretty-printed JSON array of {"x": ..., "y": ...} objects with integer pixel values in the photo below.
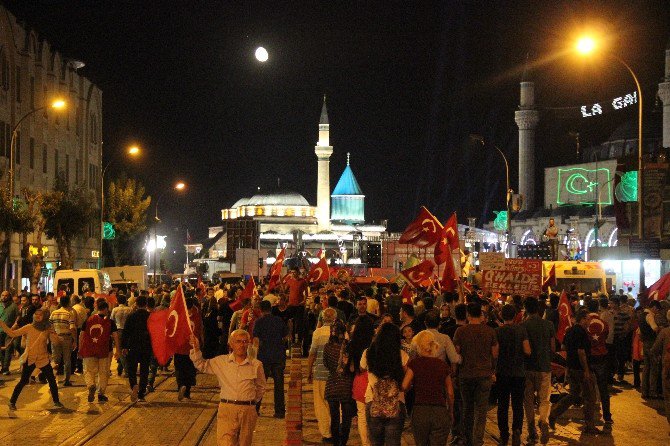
[
  {"x": 616, "y": 104},
  {"x": 108, "y": 232},
  {"x": 626, "y": 190},
  {"x": 500, "y": 223},
  {"x": 577, "y": 185}
]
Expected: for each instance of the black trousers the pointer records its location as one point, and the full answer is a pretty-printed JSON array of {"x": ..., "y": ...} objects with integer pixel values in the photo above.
[
  {"x": 185, "y": 373},
  {"x": 133, "y": 360},
  {"x": 276, "y": 371},
  {"x": 510, "y": 387},
  {"x": 600, "y": 372},
  {"x": 340, "y": 427},
  {"x": 26, "y": 371}
]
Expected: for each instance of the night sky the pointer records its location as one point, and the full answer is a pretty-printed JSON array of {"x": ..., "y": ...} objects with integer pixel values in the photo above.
[{"x": 406, "y": 84}]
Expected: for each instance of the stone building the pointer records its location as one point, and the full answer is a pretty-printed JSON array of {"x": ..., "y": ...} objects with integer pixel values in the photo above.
[{"x": 33, "y": 74}]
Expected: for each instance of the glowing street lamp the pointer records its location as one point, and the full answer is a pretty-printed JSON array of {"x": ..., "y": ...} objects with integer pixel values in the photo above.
[
  {"x": 585, "y": 46},
  {"x": 178, "y": 186}
]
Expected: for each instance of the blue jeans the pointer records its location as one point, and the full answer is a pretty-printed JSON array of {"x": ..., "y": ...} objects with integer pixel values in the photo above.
[
  {"x": 475, "y": 394},
  {"x": 385, "y": 431}
]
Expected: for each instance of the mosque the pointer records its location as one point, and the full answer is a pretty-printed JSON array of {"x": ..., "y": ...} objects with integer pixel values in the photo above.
[{"x": 253, "y": 229}]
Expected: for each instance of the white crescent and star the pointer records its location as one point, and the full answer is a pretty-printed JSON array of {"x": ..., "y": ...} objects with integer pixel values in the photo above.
[
  {"x": 90, "y": 332},
  {"x": 176, "y": 321},
  {"x": 564, "y": 310},
  {"x": 425, "y": 226},
  {"x": 597, "y": 321}
]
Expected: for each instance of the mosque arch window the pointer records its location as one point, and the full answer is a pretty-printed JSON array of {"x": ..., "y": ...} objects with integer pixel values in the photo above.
[
  {"x": 94, "y": 129},
  {"x": 259, "y": 210},
  {"x": 290, "y": 212}
]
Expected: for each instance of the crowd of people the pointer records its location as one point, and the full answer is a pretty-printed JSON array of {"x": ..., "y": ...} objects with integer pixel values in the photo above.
[{"x": 436, "y": 363}]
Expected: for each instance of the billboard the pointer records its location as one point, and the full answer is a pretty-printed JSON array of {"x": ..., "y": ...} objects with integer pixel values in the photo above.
[{"x": 589, "y": 183}]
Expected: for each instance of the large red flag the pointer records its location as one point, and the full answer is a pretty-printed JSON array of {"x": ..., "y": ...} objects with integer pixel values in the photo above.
[
  {"x": 660, "y": 289},
  {"x": 275, "y": 270},
  {"x": 449, "y": 277},
  {"x": 417, "y": 274},
  {"x": 424, "y": 231},
  {"x": 319, "y": 272},
  {"x": 247, "y": 293},
  {"x": 406, "y": 295},
  {"x": 550, "y": 281},
  {"x": 451, "y": 232},
  {"x": 442, "y": 250},
  {"x": 170, "y": 330},
  {"x": 564, "y": 316}
]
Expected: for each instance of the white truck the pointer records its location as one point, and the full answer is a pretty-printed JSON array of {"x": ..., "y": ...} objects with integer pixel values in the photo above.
[{"x": 124, "y": 277}]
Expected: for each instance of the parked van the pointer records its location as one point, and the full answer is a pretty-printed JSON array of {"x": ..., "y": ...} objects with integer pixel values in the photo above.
[
  {"x": 81, "y": 281},
  {"x": 583, "y": 276}
]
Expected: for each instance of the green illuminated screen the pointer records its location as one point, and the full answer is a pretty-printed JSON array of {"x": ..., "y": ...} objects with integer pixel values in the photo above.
[
  {"x": 500, "y": 223},
  {"x": 577, "y": 185},
  {"x": 626, "y": 190}
]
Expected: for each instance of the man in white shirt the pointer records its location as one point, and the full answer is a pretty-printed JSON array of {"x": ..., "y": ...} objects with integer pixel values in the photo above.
[
  {"x": 446, "y": 349},
  {"x": 318, "y": 373}
]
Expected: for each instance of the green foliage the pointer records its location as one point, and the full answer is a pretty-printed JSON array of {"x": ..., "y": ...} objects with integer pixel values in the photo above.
[
  {"x": 67, "y": 211},
  {"x": 14, "y": 216},
  {"x": 126, "y": 206}
]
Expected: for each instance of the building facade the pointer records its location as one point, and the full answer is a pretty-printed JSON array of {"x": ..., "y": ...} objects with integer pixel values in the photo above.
[{"x": 32, "y": 74}]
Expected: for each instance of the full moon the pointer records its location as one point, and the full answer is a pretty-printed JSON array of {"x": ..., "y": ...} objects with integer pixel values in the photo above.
[{"x": 261, "y": 54}]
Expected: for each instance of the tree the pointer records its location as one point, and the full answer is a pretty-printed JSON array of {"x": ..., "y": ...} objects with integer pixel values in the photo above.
[
  {"x": 67, "y": 214},
  {"x": 35, "y": 253},
  {"x": 14, "y": 218},
  {"x": 126, "y": 206}
]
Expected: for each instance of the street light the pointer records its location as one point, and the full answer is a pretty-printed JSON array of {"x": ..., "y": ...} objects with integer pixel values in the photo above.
[
  {"x": 178, "y": 186},
  {"x": 508, "y": 193},
  {"x": 56, "y": 104},
  {"x": 585, "y": 46},
  {"x": 133, "y": 151}
]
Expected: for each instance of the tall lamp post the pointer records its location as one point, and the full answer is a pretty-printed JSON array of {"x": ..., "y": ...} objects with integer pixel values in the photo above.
[
  {"x": 508, "y": 192},
  {"x": 587, "y": 45},
  {"x": 57, "y": 104},
  {"x": 133, "y": 151},
  {"x": 178, "y": 186}
]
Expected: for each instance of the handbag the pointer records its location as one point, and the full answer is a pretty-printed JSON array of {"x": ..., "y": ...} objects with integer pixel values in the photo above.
[{"x": 360, "y": 386}]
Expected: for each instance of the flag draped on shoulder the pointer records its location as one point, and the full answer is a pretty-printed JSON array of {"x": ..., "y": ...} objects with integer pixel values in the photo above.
[
  {"x": 564, "y": 316},
  {"x": 424, "y": 231},
  {"x": 170, "y": 329},
  {"x": 419, "y": 273},
  {"x": 319, "y": 272}
]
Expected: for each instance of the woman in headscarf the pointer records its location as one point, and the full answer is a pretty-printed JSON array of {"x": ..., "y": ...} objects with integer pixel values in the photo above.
[
  {"x": 36, "y": 355},
  {"x": 339, "y": 383}
]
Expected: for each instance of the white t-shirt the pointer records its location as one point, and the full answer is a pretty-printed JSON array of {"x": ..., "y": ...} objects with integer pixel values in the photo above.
[{"x": 372, "y": 379}]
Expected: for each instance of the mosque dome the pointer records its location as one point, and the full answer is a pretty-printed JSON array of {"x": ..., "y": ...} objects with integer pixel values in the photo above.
[
  {"x": 280, "y": 204},
  {"x": 284, "y": 198}
]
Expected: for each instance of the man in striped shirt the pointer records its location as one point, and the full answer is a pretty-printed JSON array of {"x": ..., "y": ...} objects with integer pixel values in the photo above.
[{"x": 63, "y": 321}]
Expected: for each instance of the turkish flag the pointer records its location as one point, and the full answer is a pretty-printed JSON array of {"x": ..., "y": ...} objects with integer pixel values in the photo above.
[
  {"x": 247, "y": 293},
  {"x": 407, "y": 295},
  {"x": 417, "y": 274},
  {"x": 550, "y": 281},
  {"x": 424, "y": 231},
  {"x": 442, "y": 250},
  {"x": 660, "y": 289},
  {"x": 319, "y": 272},
  {"x": 275, "y": 270},
  {"x": 451, "y": 232},
  {"x": 449, "y": 277},
  {"x": 564, "y": 316},
  {"x": 170, "y": 330}
]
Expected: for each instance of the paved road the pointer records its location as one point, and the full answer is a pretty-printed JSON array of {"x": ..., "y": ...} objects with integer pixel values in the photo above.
[{"x": 163, "y": 421}]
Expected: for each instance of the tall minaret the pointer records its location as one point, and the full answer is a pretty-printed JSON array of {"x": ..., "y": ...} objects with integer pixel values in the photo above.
[
  {"x": 323, "y": 150},
  {"x": 527, "y": 118},
  {"x": 664, "y": 95}
]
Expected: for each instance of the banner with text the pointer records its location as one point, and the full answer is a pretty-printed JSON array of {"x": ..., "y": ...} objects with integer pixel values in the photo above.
[{"x": 517, "y": 276}]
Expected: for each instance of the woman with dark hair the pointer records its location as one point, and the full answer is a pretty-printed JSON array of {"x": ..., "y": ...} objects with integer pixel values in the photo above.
[
  {"x": 210, "y": 328},
  {"x": 361, "y": 337},
  {"x": 384, "y": 398},
  {"x": 36, "y": 354},
  {"x": 338, "y": 386}
]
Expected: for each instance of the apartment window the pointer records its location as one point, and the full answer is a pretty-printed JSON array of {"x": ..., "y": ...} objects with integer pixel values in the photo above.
[
  {"x": 56, "y": 162},
  {"x": 3, "y": 147},
  {"x": 67, "y": 168},
  {"x": 32, "y": 153},
  {"x": 44, "y": 158},
  {"x": 4, "y": 76},
  {"x": 18, "y": 83},
  {"x": 77, "y": 171},
  {"x": 17, "y": 148},
  {"x": 94, "y": 129}
]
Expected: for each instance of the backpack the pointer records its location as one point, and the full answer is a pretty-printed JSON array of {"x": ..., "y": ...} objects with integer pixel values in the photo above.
[{"x": 385, "y": 399}]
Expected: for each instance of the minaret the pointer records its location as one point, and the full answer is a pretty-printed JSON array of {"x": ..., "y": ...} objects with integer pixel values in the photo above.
[
  {"x": 664, "y": 95},
  {"x": 323, "y": 150},
  {"x": 527, "y": 118}
]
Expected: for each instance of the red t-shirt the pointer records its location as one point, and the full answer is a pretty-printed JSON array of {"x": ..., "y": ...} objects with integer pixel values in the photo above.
[
  {"x": 296, "y": 291},
  {"x": 429, "y": 377},
  {"x": 598, "y": 331}
]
